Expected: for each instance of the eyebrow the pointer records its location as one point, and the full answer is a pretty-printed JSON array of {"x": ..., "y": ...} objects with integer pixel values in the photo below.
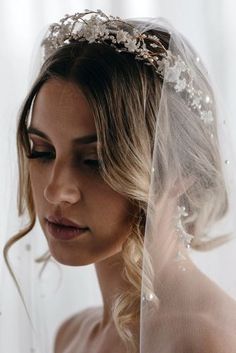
[{"x": 78, "y": 140}]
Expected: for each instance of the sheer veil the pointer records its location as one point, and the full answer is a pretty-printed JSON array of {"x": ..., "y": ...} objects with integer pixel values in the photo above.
[{"x": 188, "y": 284}]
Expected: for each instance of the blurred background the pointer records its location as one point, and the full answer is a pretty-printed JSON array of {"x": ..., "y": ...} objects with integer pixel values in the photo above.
[{"x": 208, "y": 24}]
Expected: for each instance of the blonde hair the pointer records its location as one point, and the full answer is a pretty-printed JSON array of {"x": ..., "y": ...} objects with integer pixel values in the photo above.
[{"x": 124, "y": 95}]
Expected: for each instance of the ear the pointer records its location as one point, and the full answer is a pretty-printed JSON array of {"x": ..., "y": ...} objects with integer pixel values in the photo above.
[{"x": 180, "y": 187}]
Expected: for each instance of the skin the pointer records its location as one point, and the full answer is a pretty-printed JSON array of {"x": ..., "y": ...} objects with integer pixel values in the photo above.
[{"x": 66, "y": 184}]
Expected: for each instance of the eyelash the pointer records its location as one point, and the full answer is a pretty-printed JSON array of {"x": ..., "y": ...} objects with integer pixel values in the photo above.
[{"x": 45, "y": 158}]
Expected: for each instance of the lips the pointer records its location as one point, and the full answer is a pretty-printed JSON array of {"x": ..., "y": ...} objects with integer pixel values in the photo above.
[
  {"x": 62, "y": 221},
  {"x": 62, "y": 228},
  {"x": 63, "y": 232}
]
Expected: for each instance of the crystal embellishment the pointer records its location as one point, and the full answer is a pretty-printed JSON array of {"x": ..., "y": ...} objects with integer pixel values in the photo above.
[
  {"x": 97, "y": 27},
  {"x": 147, "y": 297},
  {"x": 185, "y": 237}
]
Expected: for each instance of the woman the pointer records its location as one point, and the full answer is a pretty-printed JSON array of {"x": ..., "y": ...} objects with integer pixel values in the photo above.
[{"x": 121, "y": 163}]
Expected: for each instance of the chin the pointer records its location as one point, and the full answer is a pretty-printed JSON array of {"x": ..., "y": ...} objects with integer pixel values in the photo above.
[{"x": 68, "y": 260}]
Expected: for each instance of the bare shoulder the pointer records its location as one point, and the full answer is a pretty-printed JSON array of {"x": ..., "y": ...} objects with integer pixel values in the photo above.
[
  {"x": 71, "y": 327},
  {"x": 211, "y": 336},
  {"x": 213, "y": 321},
  {"x": 194, "y": 332}
]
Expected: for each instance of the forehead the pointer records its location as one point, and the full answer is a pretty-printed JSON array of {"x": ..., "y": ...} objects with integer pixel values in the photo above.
[{"x": 62, "y": 105}]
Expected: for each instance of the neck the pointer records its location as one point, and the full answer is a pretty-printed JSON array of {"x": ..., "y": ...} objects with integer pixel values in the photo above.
[{"x": 109, "y": 274}]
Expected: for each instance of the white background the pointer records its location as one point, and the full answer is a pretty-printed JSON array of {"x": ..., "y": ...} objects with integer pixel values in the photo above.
[{"x": 208, "y": 24}]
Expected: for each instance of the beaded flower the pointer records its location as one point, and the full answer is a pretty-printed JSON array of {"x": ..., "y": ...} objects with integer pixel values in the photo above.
[{"x": 97, "y": 27}]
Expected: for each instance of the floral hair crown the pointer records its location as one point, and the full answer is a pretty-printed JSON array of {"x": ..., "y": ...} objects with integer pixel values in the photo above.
[{"x": 101, "y": 28}]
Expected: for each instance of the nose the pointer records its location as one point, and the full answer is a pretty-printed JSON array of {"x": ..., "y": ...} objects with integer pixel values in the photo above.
[{"x": 62, "y": 187}]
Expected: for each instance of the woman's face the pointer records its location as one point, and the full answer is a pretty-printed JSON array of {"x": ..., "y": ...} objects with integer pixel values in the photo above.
[{"x": 67, "y": 182}]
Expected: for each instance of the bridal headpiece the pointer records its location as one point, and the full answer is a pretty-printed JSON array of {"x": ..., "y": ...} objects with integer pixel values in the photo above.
[{"x": 101, "y": 28}]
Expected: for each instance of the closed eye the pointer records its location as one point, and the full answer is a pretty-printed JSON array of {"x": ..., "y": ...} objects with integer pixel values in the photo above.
[{"x": 45, "y": 157}]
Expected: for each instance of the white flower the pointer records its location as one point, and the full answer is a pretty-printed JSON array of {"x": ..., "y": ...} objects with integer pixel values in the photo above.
[
  {"x": 182, "y": 212},
  {"x": 196, "y": 101},
  {"x": 53, "y": 41},
  {"x": 180, "y": 85},
  {"x": 122, "y": 36},
  {"x": 162, "y": 65},
  {"x": 106, "y": 34},
  {"x": 77, "y": 28},
  {"x": 52, "y": 26},
  {"x": 100, "y": 29},
  {"x": 99, "y": 11},
  {"x": 63, "y": 33},
  {"x": 180, "y": 65},
  {"x": 172, "y": 74},
  {"x": 60, "y": 38},
  {"x": 89, "y": 35},
  {"x": 207, "y": 117},
  {"x": 188, "y": 238},
  {"x": 136, "y": 32},
  {"x": 144, "y": 52},
  {"x": 154, "y": 45},
  {"x": 131, "y": 44}
]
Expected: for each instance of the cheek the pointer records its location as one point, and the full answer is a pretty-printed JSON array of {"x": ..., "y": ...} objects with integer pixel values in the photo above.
[
  {"x": 111, "y": 219},
  {"x": 112, "y": 210}
]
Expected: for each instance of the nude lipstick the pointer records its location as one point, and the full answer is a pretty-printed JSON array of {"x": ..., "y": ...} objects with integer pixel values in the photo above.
[{"x": 64, "y": 232}]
